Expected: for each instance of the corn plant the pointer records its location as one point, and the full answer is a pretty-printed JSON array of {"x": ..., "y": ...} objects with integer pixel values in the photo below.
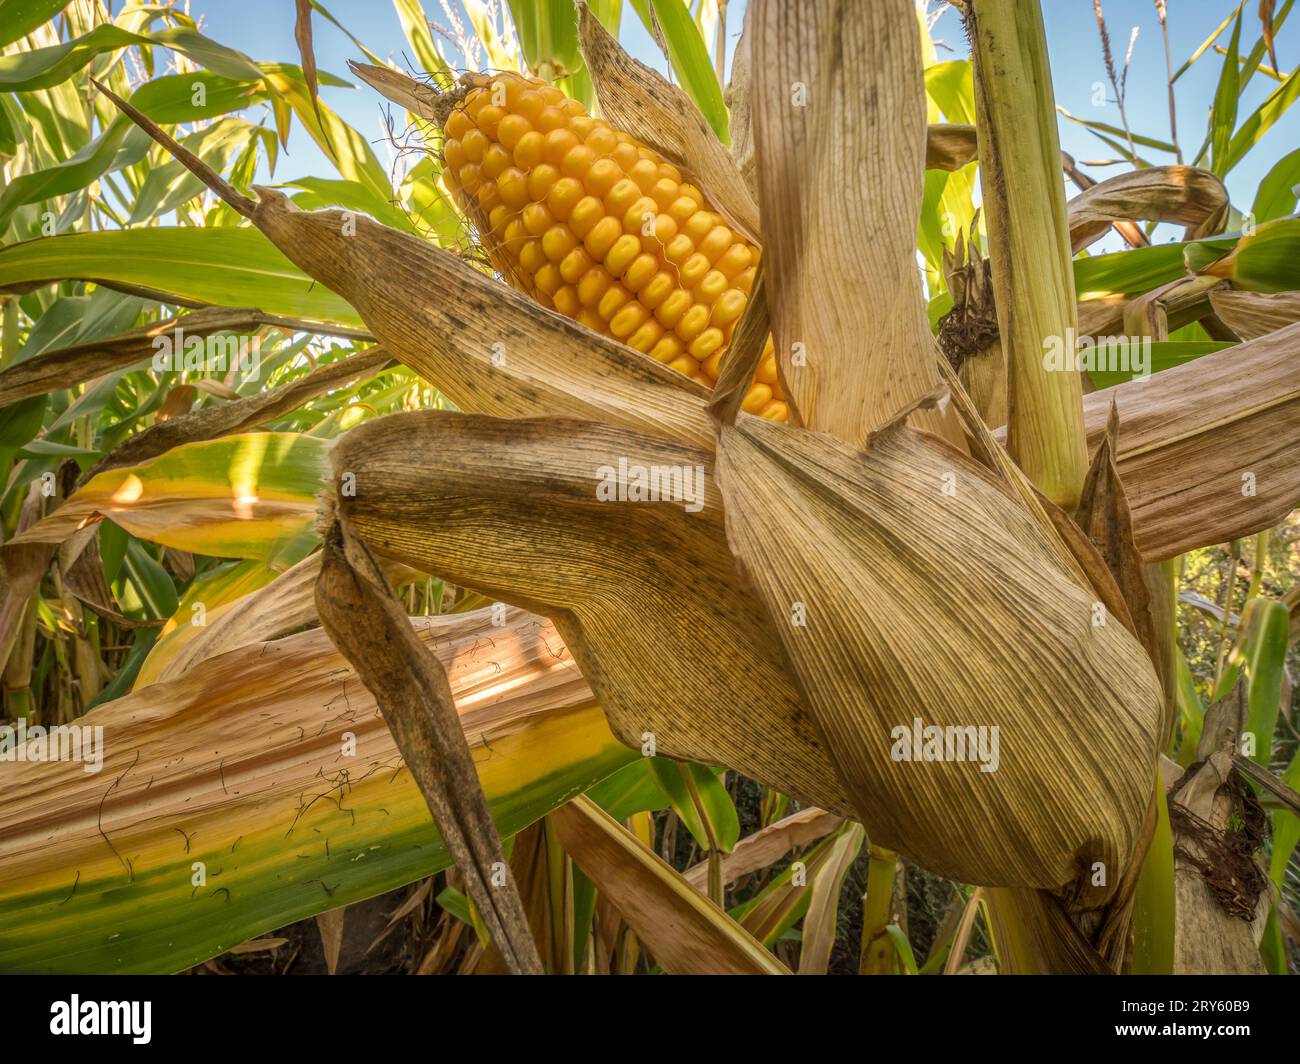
[{"x": 595, "y": 524}]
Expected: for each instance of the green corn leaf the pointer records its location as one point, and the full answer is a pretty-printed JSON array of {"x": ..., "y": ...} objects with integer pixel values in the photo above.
[
  {"x": 1276, "y": 195},
  {"x": 224, "y": 267},
  {"x": 1223, "y": 115}
]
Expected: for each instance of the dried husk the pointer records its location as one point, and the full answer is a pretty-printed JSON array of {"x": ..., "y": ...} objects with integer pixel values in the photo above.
[
  {"x": 645, "y": 594},
  {"x": 841, "y": 251},
  {"x": 487, "y": 347},
  {"x": 867, "y": 541}
]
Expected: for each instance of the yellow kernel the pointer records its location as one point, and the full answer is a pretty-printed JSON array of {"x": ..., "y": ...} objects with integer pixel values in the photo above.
[
  {"x": 577, "y": 161},
  {"x": 626, "y": 155},
  {"x": 620, "y": 256},
  {"x": 548, "y": 279},
  {"x": 488, "y": 196},
  {"x": 531, "y": 256},
  {"x": 453, "y": 155},
  {"x": 668, "y": 172},
  {"x": 643, "y": 267},
  {"x": 712, "y": 365},
  {"x": 576, "y": 263},
  {"x": 475, "y": 145},
  {"x": 511, "y": 129},
  {"x": 733, "y": 260},
  {"x": 593, "y": 285},
  {"x": 666, "y": 349},
  {"x": 645, "y": 173},
  {"x": 624, "y": 193},
  {"x": 528, "y": 149},
  {"x": 602, "y": 237},
  {"x": 508, "y": 87},
  {"x": 659, "y": 288},
  {"x": 566, "y": 301},
  {"x": 612, "y": 301},
  {"x": 495, "y": 161},
  {"x": 717, "y": 242},
  {"x": 646, "y": 336},
  {"x": 550, "y": 119},
  {"x": 529, "y": 105},
  {"x": 469, "y": 178},
  {"x": 729, "y": 307},
  {"x": 767, "y": 370},
  {"x": 682, "y": 209},
  {"x": 699, "y": 225},
  {"x": 685, "y": 364},
  {"x": 640, "y": 216},
  {"x": 499, "y": 218},
  {"x": 488, "y": 118},
  {"x": 664, "y": 193},
  {"x": 553, "y": 96},
  {"x": 679, "y": 249},
  {"x": 536, "y": 219},
  {"x": 630, "y": 318},
  {"x": 457, "y": 124},
  {"x": 693, "y": 322},
  {"x": 602, "y": 140},
  {"x": 582, "y": 124},
  {"x": 694, "y": 193},
  {"x": 540, "y": 180},
  {"x": 775, "y": 411},
  {"x": 603, "y": 175},
  {"x": 756, "y": 398},
  {"x": 693, "y": 270},
  {"x": 670, "y": 311},
  {"x": 514, "y": 234},
  {"x": 706, "y": 343},
  {"x": 591, "y": 320},
  {"x": 745, "y": 279},
  {"x": 575, "y": 108},
  {"x": 513, "y": 187},
  {"x": 562, "y": 196},
  {"x": 558, "y": 241},
  {"x": 710, "y": 288},
  {"x": 586, "y": 213},
  {"x": 559, "y": 142}
]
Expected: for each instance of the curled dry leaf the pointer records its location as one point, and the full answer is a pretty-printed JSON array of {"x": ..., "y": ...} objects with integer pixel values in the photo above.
[
  {"x": 646, "y": 593},
  {"x": 640, "y": 102},
  {"x": 950, "y": 146},
  {"x": 366, "y": 622},
  {"x": 684, "y": 931},
  {"x": 767, "y": 845},
  {"x": 1187, "y": 195}
]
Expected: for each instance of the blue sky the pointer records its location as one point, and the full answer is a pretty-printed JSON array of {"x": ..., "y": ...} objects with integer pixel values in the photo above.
[{"x": 264, "y": 29}]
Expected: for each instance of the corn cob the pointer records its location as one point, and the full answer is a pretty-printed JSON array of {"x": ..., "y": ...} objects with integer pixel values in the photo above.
[{"x": 595, "y": 225}]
